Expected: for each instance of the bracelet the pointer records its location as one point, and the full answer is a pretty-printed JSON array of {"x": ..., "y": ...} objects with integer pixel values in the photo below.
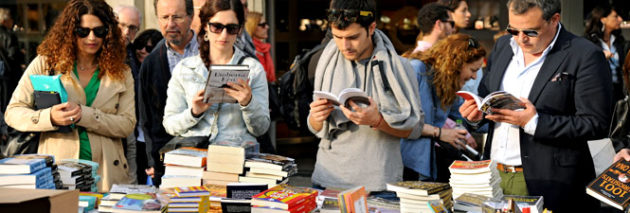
[
  {"x": 379, "y": 121},
  {"x": 435, "y": 132}
]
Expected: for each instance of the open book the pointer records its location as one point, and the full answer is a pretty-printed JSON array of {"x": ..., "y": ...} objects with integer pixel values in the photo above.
[
  {"x": 218, "y": 76},
  {"x": 354, "y": 94},
  {"x": 496, "y": 100}
]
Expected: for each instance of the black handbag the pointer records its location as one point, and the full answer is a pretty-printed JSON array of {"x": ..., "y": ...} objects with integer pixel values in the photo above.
[{"x": 619, "y": 132}]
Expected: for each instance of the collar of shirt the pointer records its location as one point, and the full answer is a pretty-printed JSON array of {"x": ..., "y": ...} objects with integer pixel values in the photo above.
[{"x": 518, "y": 52}]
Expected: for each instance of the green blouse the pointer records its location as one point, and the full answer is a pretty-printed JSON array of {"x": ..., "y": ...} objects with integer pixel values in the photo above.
[{"x": 85, "y": 151}]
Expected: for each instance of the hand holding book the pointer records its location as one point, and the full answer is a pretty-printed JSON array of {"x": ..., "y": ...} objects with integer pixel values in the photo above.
[
  {"x": 65, "y": 114},
  {"x": 498, "y": 106}
]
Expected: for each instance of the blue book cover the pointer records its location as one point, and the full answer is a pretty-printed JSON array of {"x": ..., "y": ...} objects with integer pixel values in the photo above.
[
  {"x": 21, "y": 166},
  {"x": 138, "y": 202},
  {"x": 49, "y": 83}
]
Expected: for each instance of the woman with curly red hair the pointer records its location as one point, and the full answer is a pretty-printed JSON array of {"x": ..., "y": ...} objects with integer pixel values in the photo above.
[
  {"x": 442, "y": 70},
  {"x": 85, "y": 47}
]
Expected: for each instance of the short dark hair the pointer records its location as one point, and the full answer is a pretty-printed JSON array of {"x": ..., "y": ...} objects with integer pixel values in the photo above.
[
  {"x": 453, "y": 4},
  {"x": 428, "y": 14},
  {"x": 362, "y": 18},
  {"x": 189, "y": 7},
  {"x": 152, "y": 35},
  {"x": 207, "y": 11},
  {"x": 549, "y": 7}
]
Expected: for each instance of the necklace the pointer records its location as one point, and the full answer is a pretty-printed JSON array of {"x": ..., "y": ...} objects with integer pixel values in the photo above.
[{"x": 83, "y": 69}]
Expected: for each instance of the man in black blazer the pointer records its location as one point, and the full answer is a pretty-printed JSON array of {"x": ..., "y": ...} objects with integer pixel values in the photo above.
[{"x": 563, "y": 81}]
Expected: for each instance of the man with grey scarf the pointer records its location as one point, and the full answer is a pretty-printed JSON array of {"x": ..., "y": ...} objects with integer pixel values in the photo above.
[{"x": 360, "y": 145}]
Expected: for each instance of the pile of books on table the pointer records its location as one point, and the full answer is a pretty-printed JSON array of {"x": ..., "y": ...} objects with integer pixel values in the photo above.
[
  {"x": 268, "y": 168},
  {"x": 132, "y": 198},
  {"x": 415, "y": 196},
  {"x": 79, "y": 174},
  {"x": 27, "y": 173},
  {"x": 225, "y": 164},
  {"x": 286, "y": 199},
  {"x": 184, "y": 167},
  {"x": 476, "y": 177}
]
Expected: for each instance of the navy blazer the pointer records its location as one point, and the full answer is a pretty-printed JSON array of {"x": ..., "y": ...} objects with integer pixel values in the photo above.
[{"x": 572, "y": 109}]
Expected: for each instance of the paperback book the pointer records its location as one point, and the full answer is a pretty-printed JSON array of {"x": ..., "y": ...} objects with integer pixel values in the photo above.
[
  {"x": 495, "y": 100},
  {"x": 355, "y": 94},
  {"x": 218, "y": 78}
]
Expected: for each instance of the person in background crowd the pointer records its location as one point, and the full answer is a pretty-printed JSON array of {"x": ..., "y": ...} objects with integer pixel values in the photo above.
[
  {"x": 360, "y": 145},
  {"x": 11, "y": 57},
  {"x": 187, "y": 115},
  {"x": 461, "y": 14},
  {"x": 258, "y": 28},
  {"x": 603, "y": 28},
  {"x": 84, "y": 46},
  {"x": 145, "y": 43},
  {"x": 435, "y": 22},
  {"x": 174, "y": 18},
  {"x": 129, "y": 19},
  {"x": 623, "y": 148},
  {"x": 195, "y": 25},
  {"x": 542, "y": 150},
  {"x": 441, "y": 71},
  {"x": 244, "y": 41}
]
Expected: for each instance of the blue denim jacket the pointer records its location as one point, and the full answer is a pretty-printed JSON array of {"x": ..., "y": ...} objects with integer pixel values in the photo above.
[{"x": 419, "y": 154}]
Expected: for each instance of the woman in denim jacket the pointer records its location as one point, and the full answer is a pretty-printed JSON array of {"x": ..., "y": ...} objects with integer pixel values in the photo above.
[{"x": 187, "y": 115}]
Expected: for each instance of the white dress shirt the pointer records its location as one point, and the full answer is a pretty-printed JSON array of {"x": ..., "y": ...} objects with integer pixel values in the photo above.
[{"x": 518, "y": 81}]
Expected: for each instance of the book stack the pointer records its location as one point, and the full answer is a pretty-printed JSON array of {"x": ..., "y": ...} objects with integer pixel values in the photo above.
[
  {"x": 415, "y": 196},
  {"x": 285, "y": 199},
  {"x": 139, "y": 203},
  {"x": 268, "y": 168},
  {"x": 477, "y": 177},
  {"x": 469, "y": 202},
  {"x": 184, "y": 167},
  {"x": 532, "y": 204},
  {"x": 94, "y": 178},
  {"x": 50, "y": 162},
  {"x": 189, "y": 199},
  {"x": 353, "y": 200},
  {"x": 225, "y": 164},
  {"x": 108, "y": 202},
  {"x": 75, "y": 175},
  {"x": 25, "y": 173},
  {"x": 328, "y": 201}
]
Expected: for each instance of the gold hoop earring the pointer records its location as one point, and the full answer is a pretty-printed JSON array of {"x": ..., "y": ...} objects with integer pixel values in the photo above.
[{"x": 206, "y": 38}]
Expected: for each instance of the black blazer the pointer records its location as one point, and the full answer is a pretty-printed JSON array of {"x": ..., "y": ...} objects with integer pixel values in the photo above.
[
  {"x": 154, "y": 77},
  {"x": 556, "y": 160}
]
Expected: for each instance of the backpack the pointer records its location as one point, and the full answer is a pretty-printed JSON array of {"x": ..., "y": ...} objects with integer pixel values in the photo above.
[{"x": 295, "y": 90}]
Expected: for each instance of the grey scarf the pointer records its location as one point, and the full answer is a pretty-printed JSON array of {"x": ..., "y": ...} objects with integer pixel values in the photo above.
[{"x": 388, "y": 79}]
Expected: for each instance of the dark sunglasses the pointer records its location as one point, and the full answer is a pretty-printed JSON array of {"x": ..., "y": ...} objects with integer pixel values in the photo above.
[
  {"x": 347, "y": 14},
  {"x": 451, "y": 22},
  {"x": 515, "y": 32},
  {"x": 83, "y": 32},
  {"x": 264, "y": 24},
  {"x": 218, "y": 28},
  {"x": 149, "y": 48}
]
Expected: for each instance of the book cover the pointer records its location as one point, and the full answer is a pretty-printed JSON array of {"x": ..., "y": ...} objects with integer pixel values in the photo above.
[
  {"x": 138, "y": 202},
  {"x": 218, "y": 77},
  {"x": 235, "y": 205},
  {"x": 534, "y": 203},
  {"x": 49, "y": 83},
  {"x": 132, "y": 189},
  {"x": 353, "y": 200},
  {"x": 613, "y": 185},
  {"x": 496, "y": 100},
  {"x": 245, "y": 190},
  {"x": 355, "y": 94},
  {"x": 305, "y": 207},
  {"x": 192, "y": 191},
  {"x": 50, "y": 159},
  {"x": 418, "y": 187},
  {"x": 186, "y": 156},
  {"x": 269, "y": 161},
  {"x": 471, "y": 167},
  {"x": 38, "y": 177},
  {"x": 21, "y": 166},
  {"x": 284, "y": 196}
]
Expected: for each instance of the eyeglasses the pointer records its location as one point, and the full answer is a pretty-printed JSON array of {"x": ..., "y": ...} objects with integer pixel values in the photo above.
[
  {"x": 83, "y": 32},
  {"x": 218, "y": 28},
  {"x": 451, "y": 22},
  {"x": 347, "y": 14},
  {"x": 473, "y": 43},
  {"x": 264, "y": 24},
  {"x": 131, "y": 27},
  {"x": 176, "y": 18},
  {"x": 528, "y": 33}
]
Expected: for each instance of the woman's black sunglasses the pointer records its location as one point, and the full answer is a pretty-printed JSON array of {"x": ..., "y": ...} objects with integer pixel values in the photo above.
[
  {"x": 218, "y": 28},
  {"x": 83, "y": 32}
]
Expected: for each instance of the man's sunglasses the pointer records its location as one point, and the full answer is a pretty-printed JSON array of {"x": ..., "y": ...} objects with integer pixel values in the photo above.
[
  {"x": 264, "y": 24},
  {"x": 347, "y": 14},
  {"x": 83, "y": 32},
  {"x": 515, "y": 32},
  {"x": 451, "y": 22},
  {"x": 232, "y": 29}
]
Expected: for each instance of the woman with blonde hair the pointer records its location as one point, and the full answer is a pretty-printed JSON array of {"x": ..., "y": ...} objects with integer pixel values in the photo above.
[
  {"x": 441, "y": 71},
  {"x": 85, "y": 47},
  {"x": 258, "y": 28}
]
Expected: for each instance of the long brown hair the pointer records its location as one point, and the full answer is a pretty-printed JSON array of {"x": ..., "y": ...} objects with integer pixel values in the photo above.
[
  {"x": 446, "y": 58},
  {"x": 60, "y": 45}
]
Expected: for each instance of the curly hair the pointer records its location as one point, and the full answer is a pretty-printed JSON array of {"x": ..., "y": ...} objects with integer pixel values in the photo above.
[
  {"x": 446, "y": 58},
  {"x": 60, "y": 45},
  {"x": 206, "y": 12}
]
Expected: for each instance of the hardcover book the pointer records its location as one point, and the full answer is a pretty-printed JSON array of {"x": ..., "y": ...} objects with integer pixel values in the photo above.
[
  {"x": 496, "y": 100},
  {"x": 613, "y": 185},
  {"x": 418, "y": 187},
  {"x": 218, "y": 77},
  {"x": 21, "y": 166},
  {"x": 49, "y": 83},
  {"x": 186, "y": 156},
  {"x": 284, "y": 196},
  {"x": 244, "y": 190}
]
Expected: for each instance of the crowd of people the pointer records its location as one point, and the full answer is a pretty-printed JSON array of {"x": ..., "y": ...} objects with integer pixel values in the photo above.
[{"x": 132, "y": 93}]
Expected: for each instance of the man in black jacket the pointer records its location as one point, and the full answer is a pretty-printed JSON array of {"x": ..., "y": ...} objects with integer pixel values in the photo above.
[{"x": 174, "y": 18}]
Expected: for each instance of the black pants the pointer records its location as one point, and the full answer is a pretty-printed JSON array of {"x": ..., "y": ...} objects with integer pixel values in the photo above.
[
  {"x": 445, "y": 154},
  {"x": 141, "y": 162}
]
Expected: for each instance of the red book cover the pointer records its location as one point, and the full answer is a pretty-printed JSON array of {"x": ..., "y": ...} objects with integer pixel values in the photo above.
[{"x": 284, "y": 196}]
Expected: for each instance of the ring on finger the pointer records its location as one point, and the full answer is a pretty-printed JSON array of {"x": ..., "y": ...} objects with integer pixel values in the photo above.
[{"x": 72, "y": 119}]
